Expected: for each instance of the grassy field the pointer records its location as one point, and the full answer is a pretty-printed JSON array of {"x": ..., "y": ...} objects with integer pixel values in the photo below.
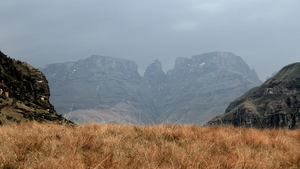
[{"x": 34, "y": 145}]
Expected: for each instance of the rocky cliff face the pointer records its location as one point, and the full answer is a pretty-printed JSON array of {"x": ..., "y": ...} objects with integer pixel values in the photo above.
[
  {"x": 155, "y": 77},
  {"x": 199, "y": 88},
  {"x": 24, "y": 94},
  {"x": 110, "y": 89},
  {"x": 276, "y": 103},
  {"x": 100, "y": 88}
]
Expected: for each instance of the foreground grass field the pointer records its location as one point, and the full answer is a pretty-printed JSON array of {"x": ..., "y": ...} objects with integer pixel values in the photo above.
[{"x": 33, "y": 145}]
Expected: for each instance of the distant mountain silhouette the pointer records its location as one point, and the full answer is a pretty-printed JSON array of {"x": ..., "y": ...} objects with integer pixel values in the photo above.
[
  {"x": 109, "y": 89},
  {"x": 198, "y": 88}
]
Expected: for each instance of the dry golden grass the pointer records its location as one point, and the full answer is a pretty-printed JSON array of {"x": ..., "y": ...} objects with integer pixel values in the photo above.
[{"x": 34, "y": 145}]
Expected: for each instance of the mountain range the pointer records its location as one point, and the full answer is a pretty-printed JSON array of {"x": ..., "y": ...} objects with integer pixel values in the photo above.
[{"x": 109, "y": 89}]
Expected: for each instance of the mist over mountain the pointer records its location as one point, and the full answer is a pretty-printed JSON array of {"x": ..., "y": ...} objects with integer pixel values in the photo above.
[
  {"x": 110, "y": 89},
  {"x": 100, "y": 88},
  {"x": 197, "y": 88}
]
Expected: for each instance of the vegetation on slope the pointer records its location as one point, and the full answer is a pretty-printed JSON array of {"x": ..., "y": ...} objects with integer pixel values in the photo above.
[
  {"x": 276, "y": 103},
  {"x": 35, "y": 145},
  {"x": 24, "y": 94}
]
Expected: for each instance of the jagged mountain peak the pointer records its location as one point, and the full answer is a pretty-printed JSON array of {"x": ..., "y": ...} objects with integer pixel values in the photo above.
[
  {"x": 204, "y": 85},
  {"x": 157, "y": 61},
  {"x": 154, "y": 69},
  {"x": 111, "y": 89}
]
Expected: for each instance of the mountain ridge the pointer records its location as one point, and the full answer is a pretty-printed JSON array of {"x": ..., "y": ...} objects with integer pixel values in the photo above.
[
  {"x": 276, "y": 103},
  {"x": 194, "y": 82},
  {"x": 113, "y": 90}
]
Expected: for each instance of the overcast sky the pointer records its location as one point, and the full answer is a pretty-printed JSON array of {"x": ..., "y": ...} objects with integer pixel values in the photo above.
[{"x": 265, "y": 33}]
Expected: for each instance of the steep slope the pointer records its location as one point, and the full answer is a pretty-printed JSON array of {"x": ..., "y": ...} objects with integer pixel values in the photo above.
[
  {"x": 201, "y": 87},
  {"x": 24, "y": 94},
  {"x": 156, "y": 82},
  {"x": 155, "y": 77},
  {"x": 100, "y": 88},
  {"x": 276, "y": 103}
]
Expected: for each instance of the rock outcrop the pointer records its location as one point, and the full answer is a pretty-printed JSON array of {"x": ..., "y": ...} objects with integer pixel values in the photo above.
[
  {"x": 274, "y": 104},
  {"x": 110, "y": 89},
  {"x": 24, "y": 94}
]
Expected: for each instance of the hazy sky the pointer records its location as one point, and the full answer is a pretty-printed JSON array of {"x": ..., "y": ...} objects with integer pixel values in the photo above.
[{"x": 266, "y": 34}]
